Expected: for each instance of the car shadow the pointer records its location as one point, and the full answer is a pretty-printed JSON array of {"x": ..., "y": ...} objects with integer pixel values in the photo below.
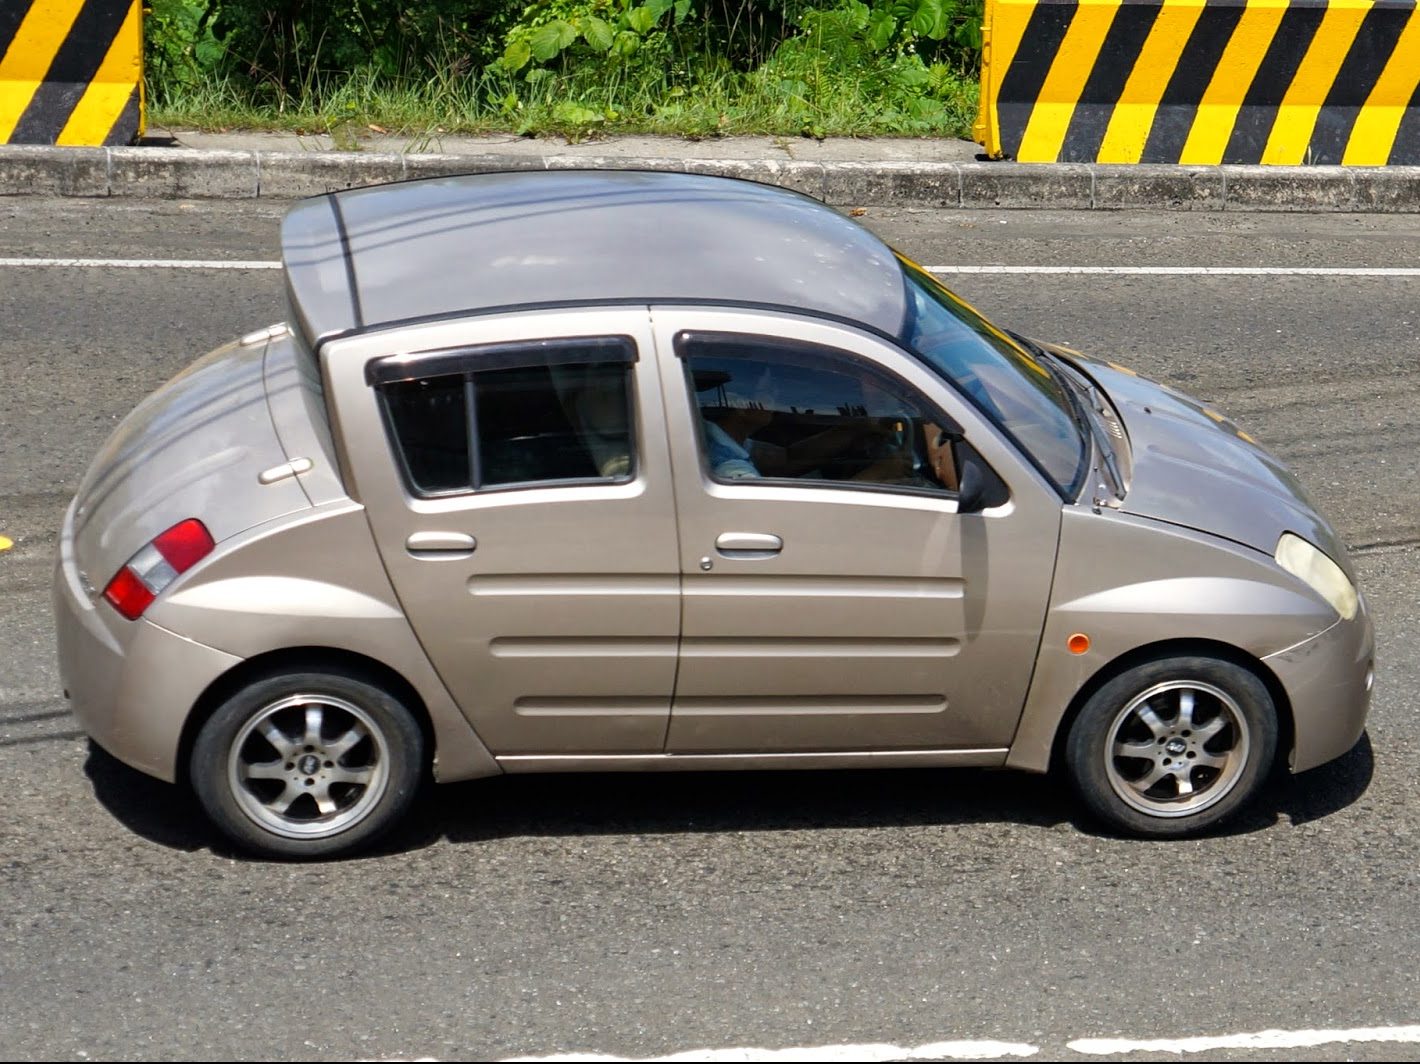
[
  {"x": 596, "y": 804},
  {"x": 1325, "y": 790},
  {"x": 652, "y": 803},
  {"x": 158, "y": 811}
]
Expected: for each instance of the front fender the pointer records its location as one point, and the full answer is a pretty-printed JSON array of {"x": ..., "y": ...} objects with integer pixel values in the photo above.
[{"x": 1128, "y": 583}]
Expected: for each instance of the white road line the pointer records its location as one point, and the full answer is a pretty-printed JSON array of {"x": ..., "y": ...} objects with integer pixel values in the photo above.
[
  {"x": 984, "y": 1050},
  {"x": 1191, "y": 271},
  {"x": 1104, "y": 1047},
  {"x": 147, "y": 264},
  {"x": 1114, "y": 271},
  {"x": 970, "y": 1050}
]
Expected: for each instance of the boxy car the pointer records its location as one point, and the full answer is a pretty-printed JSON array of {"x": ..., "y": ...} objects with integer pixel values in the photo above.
[{"x": 641, "y": 471}]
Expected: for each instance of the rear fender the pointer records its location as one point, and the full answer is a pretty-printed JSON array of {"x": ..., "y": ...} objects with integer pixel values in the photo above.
[{"x": 317, "y": 581}]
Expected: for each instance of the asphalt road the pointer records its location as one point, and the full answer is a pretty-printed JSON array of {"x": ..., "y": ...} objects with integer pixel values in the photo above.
[{"x": 645, "y": 916}]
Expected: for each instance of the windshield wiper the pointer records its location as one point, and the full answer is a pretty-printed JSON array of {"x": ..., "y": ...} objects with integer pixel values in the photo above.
[
  {"x": 1107, "y": 453},
  {"x": 1072, "y": 386}
]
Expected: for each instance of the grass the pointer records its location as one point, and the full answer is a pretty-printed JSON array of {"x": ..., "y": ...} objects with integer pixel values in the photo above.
[{"x": 710, "y": 103}]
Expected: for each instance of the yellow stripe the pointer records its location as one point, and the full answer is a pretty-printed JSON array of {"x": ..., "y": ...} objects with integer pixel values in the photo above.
[
  {"x": 142, "y": 87},
  {"x": 1296, "y": 117},
  {"x": 27, "y": 60},
  {"x": 1373, "y": 135},
  {"x": 1050, "y": 118},
  {"x": 1008, "y": 20},
  {"x": 1218, "y": 111},
  {"x": 1133, "y": 116},
  {"x": 103, "y": 101}
]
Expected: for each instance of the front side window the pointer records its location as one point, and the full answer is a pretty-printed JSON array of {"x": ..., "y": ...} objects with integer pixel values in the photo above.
[
  {"x": 777, "y": 410},
  {"x": 535, "y": 415}
]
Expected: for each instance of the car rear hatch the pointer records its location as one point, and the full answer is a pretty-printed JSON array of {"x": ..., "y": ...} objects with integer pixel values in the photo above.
[{"x": 194, "y": 448}]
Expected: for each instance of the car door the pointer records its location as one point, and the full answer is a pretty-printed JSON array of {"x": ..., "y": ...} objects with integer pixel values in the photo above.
[
  {"x": 516, "y": 477},
  {"x": 834, "y": 599}
]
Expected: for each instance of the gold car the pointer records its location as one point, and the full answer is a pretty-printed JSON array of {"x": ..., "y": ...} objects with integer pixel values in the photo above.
[{"x": 565, "y": 471}]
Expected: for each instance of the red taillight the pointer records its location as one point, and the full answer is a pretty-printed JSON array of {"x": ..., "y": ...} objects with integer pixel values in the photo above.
[
  {"x": 128, "y": 594},
  {"x": 157, "y": 565},
  {"x": 185, "y": 544}
]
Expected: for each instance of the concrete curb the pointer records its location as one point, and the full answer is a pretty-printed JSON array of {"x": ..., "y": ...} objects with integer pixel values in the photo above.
[{"x": 186, "y": 173}]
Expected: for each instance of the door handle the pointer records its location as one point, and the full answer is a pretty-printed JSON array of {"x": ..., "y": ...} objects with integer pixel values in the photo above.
[
  {"x": 748, "y": 545},
  {"x": 440, "y": 545}
]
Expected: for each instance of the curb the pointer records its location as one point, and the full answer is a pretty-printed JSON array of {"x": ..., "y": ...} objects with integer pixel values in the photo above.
[{"x": 186, "y": 173}]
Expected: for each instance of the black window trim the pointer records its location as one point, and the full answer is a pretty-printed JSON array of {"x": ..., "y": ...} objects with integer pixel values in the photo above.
[{"x": 514, "y": 354}]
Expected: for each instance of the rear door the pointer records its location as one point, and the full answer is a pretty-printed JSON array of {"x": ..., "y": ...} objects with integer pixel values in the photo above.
[
  {"x": 834, "y": 598},
  {"x": 516, "y": 476}
]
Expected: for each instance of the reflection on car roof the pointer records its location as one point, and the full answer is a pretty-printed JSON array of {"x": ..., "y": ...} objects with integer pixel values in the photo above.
[{"x": 367, "y": 258}]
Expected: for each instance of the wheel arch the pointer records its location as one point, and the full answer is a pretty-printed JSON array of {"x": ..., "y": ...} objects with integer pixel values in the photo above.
[
  {"x": 292, "y": 659},
  {"x": 1173, "y": 648}
]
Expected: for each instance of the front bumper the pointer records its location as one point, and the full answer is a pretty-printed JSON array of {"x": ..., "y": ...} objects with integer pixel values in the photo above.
[
  {"x": 1328, "y": 681},
  {"x": 131, "y": 684}
]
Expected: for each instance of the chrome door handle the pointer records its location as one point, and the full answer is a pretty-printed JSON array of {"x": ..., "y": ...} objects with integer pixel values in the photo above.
[
  {"x": 748, "y": 544},
  {"x": 440, "y": 545}
]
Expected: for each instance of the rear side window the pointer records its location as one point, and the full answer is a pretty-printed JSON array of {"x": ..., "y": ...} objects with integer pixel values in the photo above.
[
  {"x": 429, "y": 419},
  {"x": 511, "y": 415}
]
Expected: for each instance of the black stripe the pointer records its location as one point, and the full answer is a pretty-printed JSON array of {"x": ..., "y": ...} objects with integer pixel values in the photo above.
[
  {"x": 1020, "y": 88},
  {"x": 1118, "y": 54},
  {"x": 125, "y": 128},
  {"x": 12, "y": 13},
  {"x": 1406, "y": 149},
  {"x": 357, "y": 312},
  {"x": 1191, "y": 76},
  {"x": 75, "y": 64},
  {"x": 1370, "y": 51},
  {"x": 1274, "y": 77}
]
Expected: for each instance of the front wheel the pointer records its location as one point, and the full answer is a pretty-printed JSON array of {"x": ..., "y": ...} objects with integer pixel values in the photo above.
[
  {"x": 308, "y": 764},
  {"x": 1174, "y": 746}
]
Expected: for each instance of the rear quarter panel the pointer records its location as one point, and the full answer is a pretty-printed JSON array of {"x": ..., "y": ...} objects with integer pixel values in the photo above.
[
  {"x": 193, "y": 448},
  {"x": 316, "y": 581}
]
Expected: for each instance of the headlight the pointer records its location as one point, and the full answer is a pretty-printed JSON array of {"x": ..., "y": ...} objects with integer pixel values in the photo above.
[{"x": 1318, "y": 572}]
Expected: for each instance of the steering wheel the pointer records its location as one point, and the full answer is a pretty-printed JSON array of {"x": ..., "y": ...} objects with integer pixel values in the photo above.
[{"x": 943, "y": 442}]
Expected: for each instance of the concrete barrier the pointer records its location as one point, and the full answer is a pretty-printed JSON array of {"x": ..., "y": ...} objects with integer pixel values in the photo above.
[
  {"x": 1202, "y": 82},
  {"x": 71, "y": 72}
]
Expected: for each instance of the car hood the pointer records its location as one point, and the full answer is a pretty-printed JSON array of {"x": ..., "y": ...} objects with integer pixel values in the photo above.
[{"x": 1194, "y": 467}]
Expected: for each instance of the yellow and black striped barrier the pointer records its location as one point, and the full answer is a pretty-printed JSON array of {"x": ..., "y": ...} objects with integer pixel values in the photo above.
[
  {"x": 71, "y": 71},
  {"x": 1285, "y": 82}
]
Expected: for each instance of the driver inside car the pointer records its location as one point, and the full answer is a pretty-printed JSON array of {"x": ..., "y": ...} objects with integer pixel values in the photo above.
[{"x": 892, "y": 445}]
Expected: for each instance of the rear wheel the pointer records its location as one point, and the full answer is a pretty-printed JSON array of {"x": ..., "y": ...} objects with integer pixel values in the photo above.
[
  {"x": 1173, "y": 747},
  {"x": 308, "y": 764}
]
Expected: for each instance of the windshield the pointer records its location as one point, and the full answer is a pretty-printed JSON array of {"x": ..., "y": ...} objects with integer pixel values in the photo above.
[{"x": 1012, "y": 387}]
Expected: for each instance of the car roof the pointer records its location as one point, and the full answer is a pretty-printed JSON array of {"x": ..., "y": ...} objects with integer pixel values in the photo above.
[{"x": 371, "y": 257}]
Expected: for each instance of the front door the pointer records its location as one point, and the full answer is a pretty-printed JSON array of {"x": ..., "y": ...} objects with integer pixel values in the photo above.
[
  {"x": 834, "y": 598},
  {"x": 526, "y": 521}
]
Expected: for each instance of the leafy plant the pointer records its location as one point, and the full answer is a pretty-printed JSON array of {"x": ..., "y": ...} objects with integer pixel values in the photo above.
[
  {"x": 872, "y": 55},
  {"x": 612, "y": 28},
  {"x": 577, "y": 67},
  {"x": 180, "y": 48}
]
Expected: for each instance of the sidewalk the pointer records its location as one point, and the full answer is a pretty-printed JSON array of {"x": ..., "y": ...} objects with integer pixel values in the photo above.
[{"x": 869, "y": 173}]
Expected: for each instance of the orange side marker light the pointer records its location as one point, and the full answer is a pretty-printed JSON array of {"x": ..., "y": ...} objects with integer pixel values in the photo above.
[{"x": 1078, "y": 643}]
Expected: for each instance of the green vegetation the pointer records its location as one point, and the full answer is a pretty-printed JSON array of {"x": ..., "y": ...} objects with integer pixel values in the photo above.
[{"x": 697, "y": 68}]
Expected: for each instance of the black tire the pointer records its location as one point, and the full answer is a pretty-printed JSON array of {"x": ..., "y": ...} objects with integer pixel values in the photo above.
[
  {"x": 308, "y": 764},
  {"x": 1205, "y": 734}
]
